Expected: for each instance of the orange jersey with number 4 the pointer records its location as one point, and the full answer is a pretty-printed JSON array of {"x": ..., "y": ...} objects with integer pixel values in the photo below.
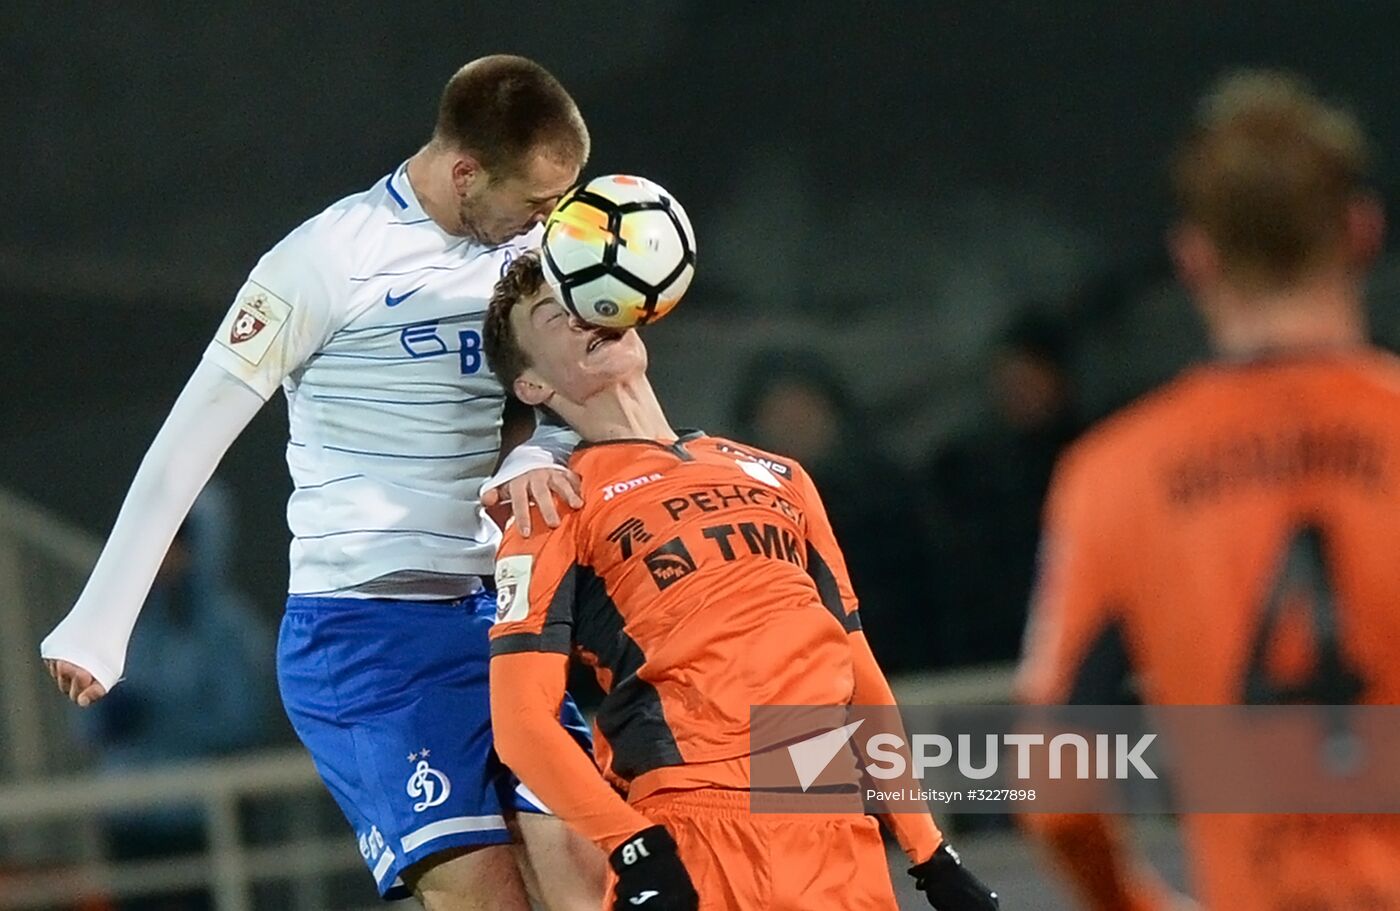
[{"x": 1235, "y": 539}]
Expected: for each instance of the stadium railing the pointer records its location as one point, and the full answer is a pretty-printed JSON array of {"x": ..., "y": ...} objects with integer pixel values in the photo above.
[
  {"x": 230, "y": 868},
  {"x": 43, "y": 564},
  {"x": 51, "y": 851}
]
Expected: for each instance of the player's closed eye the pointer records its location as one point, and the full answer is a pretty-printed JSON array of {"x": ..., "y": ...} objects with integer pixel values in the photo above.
[{"x": 551, "y": 310}]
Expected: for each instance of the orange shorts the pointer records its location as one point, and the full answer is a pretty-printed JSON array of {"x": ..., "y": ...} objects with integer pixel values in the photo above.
[{"x": 742, "y": 861}]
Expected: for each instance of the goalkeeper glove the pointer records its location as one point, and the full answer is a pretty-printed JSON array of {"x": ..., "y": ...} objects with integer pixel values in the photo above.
[
  {"x": 650, "y": 875},
  {"x": 949, "y": 886}
]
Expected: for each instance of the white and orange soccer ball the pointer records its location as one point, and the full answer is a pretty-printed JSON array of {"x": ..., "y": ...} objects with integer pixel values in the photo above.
[{"x": 619, "y": 251}]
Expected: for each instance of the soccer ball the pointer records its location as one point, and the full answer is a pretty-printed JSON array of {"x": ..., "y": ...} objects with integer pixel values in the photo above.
[{"x": 619, "y": 251}]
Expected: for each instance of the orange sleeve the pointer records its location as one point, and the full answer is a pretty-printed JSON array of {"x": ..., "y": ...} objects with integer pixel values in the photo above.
[
  {"x": 1076, "y": 608},
  {"x": 916, "y": 833},
  {"x": 1074, "y": 653},
  {"x": 530, "y": 646},
  {"x": 534, "y": 590},
  {"x": 526, "y": 690},
  {"x": 825, "y": 563}
]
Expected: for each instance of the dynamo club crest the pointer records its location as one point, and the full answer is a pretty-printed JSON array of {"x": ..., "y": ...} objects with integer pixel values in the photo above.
[{"x": 426, "y": 783}]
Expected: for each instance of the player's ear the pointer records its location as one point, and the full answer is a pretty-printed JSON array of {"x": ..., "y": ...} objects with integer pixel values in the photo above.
[
  {"x": 530, "y": 390},
  {"x": 1194, "y": 255},
  {"x": 1365, "y": 229},
  {"x": 466, "y": 172}
]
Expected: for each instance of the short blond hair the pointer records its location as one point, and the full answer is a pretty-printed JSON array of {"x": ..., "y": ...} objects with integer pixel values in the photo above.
[{"x": 1268, "y": 171}]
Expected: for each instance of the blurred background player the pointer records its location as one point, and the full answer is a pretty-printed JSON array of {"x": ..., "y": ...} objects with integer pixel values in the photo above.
[
  {"x": 661, "y": 584},
  {"x": 985, "y": 489},
  {"x": 368, "y": 315},
  {"x": 1196, "y": 539}
]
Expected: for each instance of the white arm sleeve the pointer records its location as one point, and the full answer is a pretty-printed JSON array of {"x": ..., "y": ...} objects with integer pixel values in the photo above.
[
  {"x": 209, "y": 414},
  {"x": 282, "y": 315},
  {"x": 550, "y": 446}
]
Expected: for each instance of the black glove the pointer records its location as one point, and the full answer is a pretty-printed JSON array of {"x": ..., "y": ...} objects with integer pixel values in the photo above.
[
  {"x": 650, "y": 875},
  {"x": 949, "y": 886}
]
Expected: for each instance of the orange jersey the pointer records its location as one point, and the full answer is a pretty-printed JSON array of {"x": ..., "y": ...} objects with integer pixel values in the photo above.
[
  {"x": 698, "y": 579},
  {"x": 1233, "y": 539}
]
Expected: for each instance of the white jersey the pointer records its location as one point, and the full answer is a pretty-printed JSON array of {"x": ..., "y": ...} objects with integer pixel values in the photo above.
[{"x": 369, "y": 316}]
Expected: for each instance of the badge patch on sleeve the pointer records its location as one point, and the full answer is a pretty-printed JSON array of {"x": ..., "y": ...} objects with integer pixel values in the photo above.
[
  {"x": 513, "y": 588},
  {"x": 253, "y": 323}
]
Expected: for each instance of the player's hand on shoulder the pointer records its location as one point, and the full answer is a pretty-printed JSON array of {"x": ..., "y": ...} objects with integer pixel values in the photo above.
[
  {"x": 650, "y": 875},
  {"x": 75, "y": 682},
  {"x": 544, "y": 488},
  {"x": 949, "y": 886}
]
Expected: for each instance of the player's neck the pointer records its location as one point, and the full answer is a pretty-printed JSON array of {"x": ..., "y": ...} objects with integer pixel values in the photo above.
[
  {"x": 628, "y": 410},
  {"x": 1319, "y": 315},
  {"x": 431, "y": 181}
]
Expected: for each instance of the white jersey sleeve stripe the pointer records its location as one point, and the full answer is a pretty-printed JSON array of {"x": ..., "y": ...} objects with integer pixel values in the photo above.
[
  {"x": 472, "y": 314},
  {"x": 420, "y": 269},
  {"x": 414, "y": 455},
  {"x": 388, "y": 531},
  {"x": 321, "y": 397},
  {"x": 348, "y": 477}
]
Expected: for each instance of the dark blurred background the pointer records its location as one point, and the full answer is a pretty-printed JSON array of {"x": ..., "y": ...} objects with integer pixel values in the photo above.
[
  {"x": 930, "y": 254},
  {"x": 930, "y": 234}
]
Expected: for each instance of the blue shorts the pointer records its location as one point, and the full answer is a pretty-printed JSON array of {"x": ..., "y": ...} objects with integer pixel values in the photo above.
[{"x": 390, "y": 699}]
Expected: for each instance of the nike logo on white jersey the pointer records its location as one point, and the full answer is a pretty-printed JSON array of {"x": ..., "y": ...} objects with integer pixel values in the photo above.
[{"x": 391, "y": 301}]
